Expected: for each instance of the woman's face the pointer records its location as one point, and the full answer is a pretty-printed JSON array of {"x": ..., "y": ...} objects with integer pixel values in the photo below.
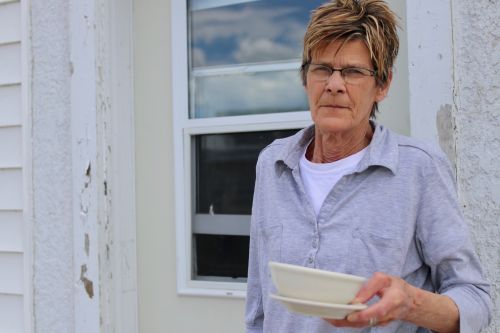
[{"x": 337, "y": 107}]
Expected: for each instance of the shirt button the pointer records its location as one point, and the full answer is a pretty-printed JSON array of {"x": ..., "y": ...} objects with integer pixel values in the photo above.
[{"x": 314, "y": 244}]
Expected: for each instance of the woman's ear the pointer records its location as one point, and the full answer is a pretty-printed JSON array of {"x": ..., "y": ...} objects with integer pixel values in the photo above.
[{"x": 384, "y": 89}]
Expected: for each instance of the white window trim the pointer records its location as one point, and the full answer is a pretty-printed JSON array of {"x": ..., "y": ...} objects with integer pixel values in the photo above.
[
  {"x": 112, "y": 263},
  {"x": 183, "y": 131},
  {"x": 124, "y": 314}
]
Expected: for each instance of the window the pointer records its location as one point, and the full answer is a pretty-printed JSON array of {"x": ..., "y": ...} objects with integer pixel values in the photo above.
[
  {"x": 224, "y": 178},
  {"x": 236, "y": 88}
]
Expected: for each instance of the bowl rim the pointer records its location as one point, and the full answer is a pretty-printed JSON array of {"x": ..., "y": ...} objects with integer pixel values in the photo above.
[
  {"x": 357, "y": 306},
  {"x": 316, "y": 271}
]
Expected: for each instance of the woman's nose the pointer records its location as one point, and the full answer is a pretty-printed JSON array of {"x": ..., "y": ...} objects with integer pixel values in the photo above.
[{"x": 335, "y": 82}]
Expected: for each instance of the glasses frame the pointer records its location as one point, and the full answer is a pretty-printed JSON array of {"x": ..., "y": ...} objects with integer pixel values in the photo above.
[{"x": 365, "y": 72}]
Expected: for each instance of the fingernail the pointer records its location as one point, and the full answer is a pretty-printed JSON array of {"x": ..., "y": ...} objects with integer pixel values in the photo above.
[
  {"x": 352, "y": 318},
  {"x": 356, "y": 301}
]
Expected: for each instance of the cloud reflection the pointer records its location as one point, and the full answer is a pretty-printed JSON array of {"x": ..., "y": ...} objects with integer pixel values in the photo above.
[
  {"x": 229, "y": 95},
  {"x": 251, "y": 32}
]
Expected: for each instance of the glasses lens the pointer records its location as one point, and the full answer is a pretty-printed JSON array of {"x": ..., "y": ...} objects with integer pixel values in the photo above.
[
  {"x": 350, "y": 75},
  {"x": 319, "y": 72},
  {"x": 354, "y": 74}
]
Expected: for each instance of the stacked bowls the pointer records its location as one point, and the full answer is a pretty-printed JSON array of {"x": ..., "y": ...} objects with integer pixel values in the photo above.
[{"x": 315, "y": 292}]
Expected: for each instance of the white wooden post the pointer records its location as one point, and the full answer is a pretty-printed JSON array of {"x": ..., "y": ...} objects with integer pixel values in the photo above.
[
  {"x": 87, "y": 181},
  {"x": 103, "y": 166}
]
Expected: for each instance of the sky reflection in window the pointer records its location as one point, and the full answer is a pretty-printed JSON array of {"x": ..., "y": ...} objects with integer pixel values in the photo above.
[
  {"x": 255, "y": 93},
  {"x": 227, "y": 41},
  {"x": 250, "y": 32}
]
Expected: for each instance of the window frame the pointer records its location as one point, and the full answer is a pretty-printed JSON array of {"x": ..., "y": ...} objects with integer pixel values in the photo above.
[{"x": 184, "y": 130}]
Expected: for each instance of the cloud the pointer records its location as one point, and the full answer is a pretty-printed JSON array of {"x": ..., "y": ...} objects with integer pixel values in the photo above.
[
  {"x": 249, "y": 33},
  {"x": 250, "y": 94},
  {"x": 228, "y": 22},
  {"x": 253, "y": 33},
  {"x": 259, "y": 50},
  {"x": 198, "y": 56}
]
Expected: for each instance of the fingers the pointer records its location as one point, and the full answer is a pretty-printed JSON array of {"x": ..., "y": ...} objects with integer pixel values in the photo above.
[
  {"x": 345, "y": 323},
  {"x": 395, "y": 301},
  {"x": 376, "y": 312},
  {"x": 372, "y": 287},
  {"x": 361, "y": 323}
]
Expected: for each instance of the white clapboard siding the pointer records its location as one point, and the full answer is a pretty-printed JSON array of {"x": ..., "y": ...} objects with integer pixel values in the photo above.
[
  {"x": 10, "y": 105},
  {"x": 10, "y": 22},
  {"x": 11, "y": 279},
  {"x": 11, "y": 189},
  {"x": 11, "y": 232},
  {"x": 10, "y": 146},
  {"x": 11, "y": 313},
  {"x": 10, "y": 62},
  {"x": 12, "y": 265}
]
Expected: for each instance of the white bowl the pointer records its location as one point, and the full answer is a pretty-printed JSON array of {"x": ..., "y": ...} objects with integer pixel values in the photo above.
[
  {"x": 317, "y": 309},
  {"x": 316, "y": 285}
]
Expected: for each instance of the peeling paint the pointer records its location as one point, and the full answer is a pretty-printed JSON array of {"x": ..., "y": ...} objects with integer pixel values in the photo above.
[
  {"x": 85, "y": 195},
  {"x": 88, "y": 285},
  {"x": 88, "y": 175},
  {"x": 446, "y": 132},
  {"x": 87, "y": 244},
  {"x": 87, "y": 172}
]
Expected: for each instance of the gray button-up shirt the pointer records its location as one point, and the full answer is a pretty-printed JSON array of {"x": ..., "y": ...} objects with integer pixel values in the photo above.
[{"x": 397, "y": 213}]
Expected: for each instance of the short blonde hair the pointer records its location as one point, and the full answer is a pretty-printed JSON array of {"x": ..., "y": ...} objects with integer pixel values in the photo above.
[{"x": 369, "y": 20}]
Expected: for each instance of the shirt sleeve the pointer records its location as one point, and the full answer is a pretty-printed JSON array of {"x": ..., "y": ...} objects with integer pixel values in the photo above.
[
  {"x": 447, "y": 249},
  {"x": 254, "y": 313}
]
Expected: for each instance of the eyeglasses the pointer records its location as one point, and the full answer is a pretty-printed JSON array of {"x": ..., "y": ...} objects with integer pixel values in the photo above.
[{"x": 350, "y": 75}]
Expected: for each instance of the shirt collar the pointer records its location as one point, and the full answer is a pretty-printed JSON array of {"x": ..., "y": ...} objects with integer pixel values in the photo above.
[{"x": 382, "y": 150}]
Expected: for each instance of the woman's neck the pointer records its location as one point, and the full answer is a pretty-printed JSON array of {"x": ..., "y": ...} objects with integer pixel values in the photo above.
[{"x": 331, "y": 147}]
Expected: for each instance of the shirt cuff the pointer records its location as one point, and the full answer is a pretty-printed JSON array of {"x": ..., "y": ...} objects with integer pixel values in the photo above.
[
  {"x": 473, "y": 314},
  {"x": 254, "y": 330}
]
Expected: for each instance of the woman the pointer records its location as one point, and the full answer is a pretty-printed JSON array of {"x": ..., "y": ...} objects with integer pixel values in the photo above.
[{"x": 349, "y": 195}]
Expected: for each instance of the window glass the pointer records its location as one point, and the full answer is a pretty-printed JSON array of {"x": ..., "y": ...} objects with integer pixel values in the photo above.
[
  {"x": 249, "y": 32},
  {"x": 225, "y": 170},
  {"x": 243, "y": 59},
  {"x": 225, "y": 178},
  {"x": 245, "y": 56},
  {"x": 249, "y": 93},
  {"x": 219, "y": 256}
]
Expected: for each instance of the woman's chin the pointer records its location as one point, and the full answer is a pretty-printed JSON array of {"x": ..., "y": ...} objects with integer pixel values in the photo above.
[{"x": 334, "y": 125}]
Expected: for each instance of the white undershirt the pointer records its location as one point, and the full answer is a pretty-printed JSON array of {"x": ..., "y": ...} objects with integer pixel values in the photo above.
[{"x": 319, "y": 178}]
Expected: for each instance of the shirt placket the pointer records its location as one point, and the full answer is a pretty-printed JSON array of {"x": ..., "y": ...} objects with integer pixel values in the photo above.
[
  {"x": 314, "y": 240},
  {"x": 325, "y": 216}
]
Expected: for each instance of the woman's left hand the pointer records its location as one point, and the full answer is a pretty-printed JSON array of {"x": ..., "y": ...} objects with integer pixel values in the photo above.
[{"x": 397, "y": 300}]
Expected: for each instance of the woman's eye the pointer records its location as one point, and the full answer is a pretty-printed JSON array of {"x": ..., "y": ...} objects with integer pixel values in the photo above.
[
  {"x": 322, "y": 70},
  {"x": 353, "y": 71}
]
